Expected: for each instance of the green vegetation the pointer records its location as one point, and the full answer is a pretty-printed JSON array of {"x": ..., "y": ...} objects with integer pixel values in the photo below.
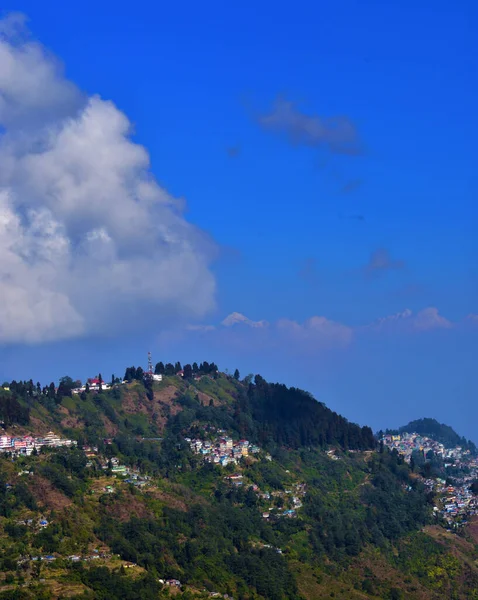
[{"x": 317, "y": 512}]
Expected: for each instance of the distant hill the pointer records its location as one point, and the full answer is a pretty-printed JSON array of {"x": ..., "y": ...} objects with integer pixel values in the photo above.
[{"x": 439, "y": 432}]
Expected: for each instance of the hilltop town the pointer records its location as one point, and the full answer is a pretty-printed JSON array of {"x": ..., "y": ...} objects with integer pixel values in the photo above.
[{"x": 454, "y": 489}]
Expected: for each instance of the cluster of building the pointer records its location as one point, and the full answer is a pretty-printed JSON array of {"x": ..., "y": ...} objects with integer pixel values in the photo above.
[
  {"x": 131, "y": 475},
  {"x": 25, "y": 445},
  {"x": 96, "y": 385},
  {"x": 223, "y": 450},
  {"x": 408, "y": 443},
  {"x": 456, "y": 502},
  {"x": 93, "y": 385},
  {"x": 281, "y": 503},
  {"x": 290, "y": 500},
  {"x": 96, "y": 555},
  {"x": 33, "y": 523}
]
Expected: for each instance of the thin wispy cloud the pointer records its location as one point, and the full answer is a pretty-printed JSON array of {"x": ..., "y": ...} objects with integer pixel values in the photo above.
[
  {"x": 336, "y": 134},
  {"x": 233, "y": 151},
  {"x": 381, "y": 261},
  {"x": 427, "y": 319},
  {"x": 89, "y": 242},
  {"x": 410, "y": 290},
  {"x": 308, "y": 270},
  {"x": 351, "y": 186}
]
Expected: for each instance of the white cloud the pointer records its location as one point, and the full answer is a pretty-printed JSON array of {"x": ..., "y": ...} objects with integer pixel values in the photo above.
[
  {"x": 407, "y": 321},
  {"x": 430, "y": 318},
  {"x": 89, "y": 239},
  {"x": 236, "y": 318},
  {"x": 317, "y": 330}
]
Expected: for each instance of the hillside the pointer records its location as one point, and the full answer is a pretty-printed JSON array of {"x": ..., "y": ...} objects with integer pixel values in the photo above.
[
  {"x": 233, "y": 488},
  {"x": 439, "y": 432}
]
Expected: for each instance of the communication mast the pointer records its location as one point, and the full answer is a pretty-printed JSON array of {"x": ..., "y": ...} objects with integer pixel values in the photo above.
[{"x": 150, "y": 364}]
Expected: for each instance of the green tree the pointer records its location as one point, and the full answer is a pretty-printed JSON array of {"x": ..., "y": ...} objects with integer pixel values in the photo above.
[
  {"x": 130, "y": 374},
  {"x": 169, "y": 369},
  {"x": 236, "y": 375},
  {"x": 159, "y": 368}
]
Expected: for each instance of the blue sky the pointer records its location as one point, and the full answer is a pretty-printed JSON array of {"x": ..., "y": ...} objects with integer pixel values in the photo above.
[{"x": 234, "y": 107}]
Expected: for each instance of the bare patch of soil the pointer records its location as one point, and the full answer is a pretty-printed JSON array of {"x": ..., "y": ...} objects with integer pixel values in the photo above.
[
  {"x": 129, "y": 506},
  {"x": 47, "y": 495}
]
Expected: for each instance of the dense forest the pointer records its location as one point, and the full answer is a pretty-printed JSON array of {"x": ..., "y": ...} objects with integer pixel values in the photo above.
[{"x": 293, "y": 418}]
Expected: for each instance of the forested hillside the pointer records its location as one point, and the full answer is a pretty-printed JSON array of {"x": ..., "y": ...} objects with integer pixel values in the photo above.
[{"x": 205, "y": 485}]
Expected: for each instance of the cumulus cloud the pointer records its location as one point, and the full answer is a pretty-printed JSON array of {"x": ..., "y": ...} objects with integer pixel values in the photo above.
[
  {"x": 337, "y": 134},
  {"x": 88, "y": 239},
  {"x": 430, "y": 318},
  {"x": 407, "y": 321},
  {"x": 319, "y": 332},
  {"x": 381, "y": 261}
]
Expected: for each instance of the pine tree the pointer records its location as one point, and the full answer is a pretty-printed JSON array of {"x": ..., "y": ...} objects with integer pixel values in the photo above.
[
  {"x": 169, "y": 369},
  {"x": 159, "y": 368}
]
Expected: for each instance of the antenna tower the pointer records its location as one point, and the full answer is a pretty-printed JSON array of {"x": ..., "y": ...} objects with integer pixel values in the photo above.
[{"x": 150, "y": 364}]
